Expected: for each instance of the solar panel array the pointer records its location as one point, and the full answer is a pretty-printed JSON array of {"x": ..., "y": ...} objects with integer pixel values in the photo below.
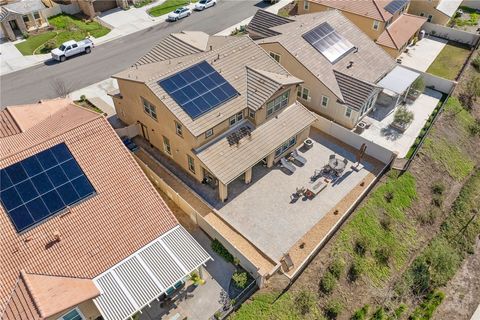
[
  {"x": 328, "y": 42},
  {"x": 198, "y": 89},
  {"x": 395, "y": 5},
  {"x": 40, "y": 186}
]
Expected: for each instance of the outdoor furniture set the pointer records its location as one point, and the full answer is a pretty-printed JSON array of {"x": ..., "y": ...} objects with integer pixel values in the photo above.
[{"x": 287, "y": 162}]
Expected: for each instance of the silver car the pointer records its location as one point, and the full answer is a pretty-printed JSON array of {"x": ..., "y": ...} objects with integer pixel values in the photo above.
[
  {"x": 204, "y": 4},
  {"x": 180, "y": 13}
]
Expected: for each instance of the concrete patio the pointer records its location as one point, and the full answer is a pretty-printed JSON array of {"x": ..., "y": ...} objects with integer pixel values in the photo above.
[
  {"x": 422, "y": 55},
  {"x": 380, "y": 131},
  {"x": 197, "y": 303}
]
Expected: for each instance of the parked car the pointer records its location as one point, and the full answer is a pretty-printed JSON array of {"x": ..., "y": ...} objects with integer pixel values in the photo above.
[
  {"x": 180, "y": 13},
  {"x": 204, "y": 4},
  {"x": 71, "y": 48}
]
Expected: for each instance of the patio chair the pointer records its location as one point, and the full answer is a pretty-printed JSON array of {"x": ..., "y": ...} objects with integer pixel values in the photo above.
[
  {"x": 298, "y": 157},
  {"x": 287, "y": 165}
]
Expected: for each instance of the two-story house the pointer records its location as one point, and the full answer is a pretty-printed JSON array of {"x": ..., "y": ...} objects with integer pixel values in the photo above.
[
  {"x": 339, "y": 64},
  {"x": 436, "y": 11},
  {"x": 215, "y": 105},
  {"x": 384, "y": 21}
]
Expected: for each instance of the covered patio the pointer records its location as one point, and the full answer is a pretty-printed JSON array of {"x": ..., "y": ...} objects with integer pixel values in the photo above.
[{"x": 398, "y": 82}]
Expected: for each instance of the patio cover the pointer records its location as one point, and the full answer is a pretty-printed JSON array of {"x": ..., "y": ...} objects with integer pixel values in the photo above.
[
  {"x": 141, "y": 278},
  {"x": 398, "y": 80},
  {"x": 449, "y": 7},
  {"x": 227, "y": 162}
]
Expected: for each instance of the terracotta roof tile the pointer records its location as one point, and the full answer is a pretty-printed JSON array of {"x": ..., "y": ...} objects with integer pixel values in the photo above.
[
  {"x": 374, "y": 9},
  {"x": 400, "y": 31},
  {"x": 93, "y": 233},
  {"x": 8, "y": 126}
]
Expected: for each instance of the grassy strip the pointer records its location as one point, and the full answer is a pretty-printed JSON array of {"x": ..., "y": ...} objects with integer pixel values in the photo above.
[
  {"x": 33, "y": 42},
  {"x": 463, "y": 119},
  {"x": 168, "y": 6},
  {"x": 450, "y": 156},
  {"x": 426, "y": 309},
  {"x": 142, "y": 3},
  {"x": 379, "y": 236},
  {"x": 450, "y": 61}
]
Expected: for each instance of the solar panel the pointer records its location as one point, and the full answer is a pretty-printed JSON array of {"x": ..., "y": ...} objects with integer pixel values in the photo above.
[
  {"x": 40, "y": 186},
  {"x": 198, "y": 89},
  {"x": 328, "y": 42},
  {"x": 395, "y": 5}
]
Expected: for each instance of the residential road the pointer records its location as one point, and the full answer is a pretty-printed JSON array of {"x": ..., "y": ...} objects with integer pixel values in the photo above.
[{"x": 39, "y": 82}]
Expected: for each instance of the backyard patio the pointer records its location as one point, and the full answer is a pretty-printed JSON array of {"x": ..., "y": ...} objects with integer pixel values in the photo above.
[
  {"x": 380, "y": 119},
  {"x": 423, "y": 53}
]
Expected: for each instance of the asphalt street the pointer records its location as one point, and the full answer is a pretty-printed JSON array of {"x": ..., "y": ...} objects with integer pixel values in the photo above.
[{"x": 41, "y": 81}]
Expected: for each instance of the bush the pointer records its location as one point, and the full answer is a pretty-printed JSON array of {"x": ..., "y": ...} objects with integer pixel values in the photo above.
[
  {"x": 442, "y": 260},
  {"x": 379, "y": 314},
  {"x": 333, "y": 309},
  {"x": 382, "y": 255},
  {"x": 474, "y": 129},
  {"x": 388, "y": 196},
  {"x": 399, "y": 311},
  {"x": 49, "y": 45},
  {"x": 438, "y": 188},
  {"x": 222, "y": 251},
  {"x": 337, "y": 267},
  {"x": 386, "y": 222},
  {"x": 240, "y": 279},
  {"x": 327, "y": 283},
  {"x": 355, "y": 270},
  {"x": 426, "y": 309},
  {"x": 420, "y": 277},
  {"x": 428, "y": 217},
  {"x": 305, "y": 302},
  {"x": 360, "y": 314},
  {"x": 437, "y": 201},
  {"x": 476, "y": 63},
  {"x": 403, "y": 116},
  {"x": 360, "y": 247}
]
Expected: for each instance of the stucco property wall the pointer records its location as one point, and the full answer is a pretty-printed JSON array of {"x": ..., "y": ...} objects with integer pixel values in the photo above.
[{"x": 451, "y": 34}]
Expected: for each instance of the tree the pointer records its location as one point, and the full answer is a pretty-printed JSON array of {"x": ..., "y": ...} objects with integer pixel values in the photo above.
[
  {"x": 61, "y": 88},
  {"x": 403, "y": 116}
]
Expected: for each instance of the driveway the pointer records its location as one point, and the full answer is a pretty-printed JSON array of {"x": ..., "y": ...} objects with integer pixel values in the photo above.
[{"x": 422, "y": 55}]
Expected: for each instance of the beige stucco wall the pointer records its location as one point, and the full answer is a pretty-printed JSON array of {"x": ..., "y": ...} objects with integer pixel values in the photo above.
[
  {"x": 394, "y": 53},
  {"x": 87, "y": 7},
  {"x": 87, "y": 308},
  {"x": 428, "y": 7},
  {"x": 334, "y": 111}
]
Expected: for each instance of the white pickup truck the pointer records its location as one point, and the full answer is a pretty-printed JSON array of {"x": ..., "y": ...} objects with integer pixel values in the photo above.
[{"x": 71, "y": 48}]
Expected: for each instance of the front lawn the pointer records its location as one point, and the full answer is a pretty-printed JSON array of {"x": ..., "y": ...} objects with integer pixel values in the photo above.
[
  {"x": 168, "y": 6},
  {"x": 450, "y": 61},
  {"x": 66, "y": 27}
]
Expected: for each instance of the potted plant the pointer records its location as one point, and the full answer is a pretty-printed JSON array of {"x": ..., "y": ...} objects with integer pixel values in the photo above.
[
  {"x": 402, "y": 119},
  {"x": 196, "y": 279}
]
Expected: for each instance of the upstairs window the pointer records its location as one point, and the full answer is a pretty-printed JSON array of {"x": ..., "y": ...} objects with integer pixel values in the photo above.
[
  {"x": 376, "y": 24},
  {"x": 303, "y": 93},
  {"x": 178, "y": 129},
  {"x": 191, "y": 164},
  {"x": 324, "y": 101},
  {"x": 208, "y": 133},
  {"x": 306, "y": 5},
  {"x": 348, "y": 112},
  {"x": 166, "y": 145},
  {"x": 236, "y": 118},
  {"x": 149, "y": 109},
  {"x": 278, "y": 103},
  {"x": 72, "y": 315},
  {"x": 275, "y": 56}
]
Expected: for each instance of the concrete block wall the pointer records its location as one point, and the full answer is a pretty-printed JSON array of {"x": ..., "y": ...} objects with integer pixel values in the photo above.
[{"x": 451, "y": 34}]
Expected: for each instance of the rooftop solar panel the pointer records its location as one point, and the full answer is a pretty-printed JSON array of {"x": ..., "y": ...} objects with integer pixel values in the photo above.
[
  {"x": 395, "y": 5},
  {"x": 40, "y": 186},
  {"x": 328, "y": 42},
  {"x": 198, "y": 89}
]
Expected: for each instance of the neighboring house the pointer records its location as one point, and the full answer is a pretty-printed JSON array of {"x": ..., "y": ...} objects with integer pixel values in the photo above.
[
  {"x": 436, "y": 11},
  {"x": 339, "y": 64},
  {"x": 84, "y": 233},
  {"x": 20, "y": 17},
  {"x": 216, "y": 105},
  {"x": 92, "y": 7},
  {"x": 383, "y": 21}
]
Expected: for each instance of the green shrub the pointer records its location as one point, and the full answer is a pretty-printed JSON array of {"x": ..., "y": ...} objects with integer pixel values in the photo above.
[
  {"x": 360, "y": 247},
  {"x": 240, "y": 279},
  {"x": 442, "y": 260},
  {"x": 426, "y": 309},
  {"x": 474, "y": 128},
  {"x": 333, "y": 309},
  {"x": 337, "y": 267},
  {"x": 437, "y": 201},
  {"x": 399, "y": 311},
  {"x": 379, "y": 314},
  {"x": 382, "y": 255},
  {"x": 222, "y": 251},
  {"x": 403, "y": 116},
  {"x": 429, "y": 217},
  {"x": 327, "y": 283},
  {"x": 305, "y": 302},
  {"x": 355, "y": 270},
  {"x": 360, "y": 314},
  {"x": 420, "y": 276}
]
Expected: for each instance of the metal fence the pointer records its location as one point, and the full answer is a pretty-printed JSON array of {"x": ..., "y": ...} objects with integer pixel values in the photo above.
[{"x": 232, "y": 304}]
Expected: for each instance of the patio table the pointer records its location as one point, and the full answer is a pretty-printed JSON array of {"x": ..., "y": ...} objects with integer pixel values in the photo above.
[{"x": 336, "y": 164}]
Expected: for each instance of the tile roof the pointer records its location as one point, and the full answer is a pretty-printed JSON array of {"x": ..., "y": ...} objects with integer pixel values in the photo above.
[
  {"x": 263, "y": 22},
  {"x": 227, "y": 162},
  {"x": 354, "y": 91},
  {"x": 374, "y": 9},
  {"x": 230, "y": 59},
  {"x": 93, "y": 232},
  {"x": 8, "y": 126},
  {"x": 367, "y": 64},
  {"x": 401, "y": 30}
]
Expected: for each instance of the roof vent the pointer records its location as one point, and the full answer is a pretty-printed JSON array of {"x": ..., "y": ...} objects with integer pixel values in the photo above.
[
  {"x": 350, "y": 64},
  {"x": 211, "y": 48},
  {"x": 355, "y": 50},
  {"x": 57, "y": 236}
]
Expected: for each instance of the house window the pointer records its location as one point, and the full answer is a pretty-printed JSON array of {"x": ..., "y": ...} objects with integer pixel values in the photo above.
[
  {"x": 166, "y": 146},
  {"x": 36, "y": 15},
  {"x": 430, "y": 17},
  {"x": 306, "y": 5},
  {"x": 74, "y": 314},
  {"x": 278, "y": 103},
  {"x": 178, "y": 129},
  {"x": 251, "y": 114},
  {"x": 285, "y": 146},
  {"x": 234, "y": 119},
  {"x": 191, "y": 163},
  {"x": 376, "y": 24},
  {"x": 303, "y": 93},
  {"x": 208, "y": 133},
  {"x": 324, "y": 101},
  {"x": 348, "y": 112},
  {"x": 25, "y": 19},
  {"x": 149, "y": 109},
  {"x": 275, "y": 56}
]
